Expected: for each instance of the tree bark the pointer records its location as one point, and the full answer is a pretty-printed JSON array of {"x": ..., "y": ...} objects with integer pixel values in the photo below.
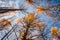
[{"x": 25, "y": 34}]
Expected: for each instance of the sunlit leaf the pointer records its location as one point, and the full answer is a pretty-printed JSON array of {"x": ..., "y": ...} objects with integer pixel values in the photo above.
[
  {"x": 4, "y": 22},
  {"x": 22, "y": 34},
  {"x": 40, "y": 9},
  {"x": 29, "y": 18},
  {"x": 54, "y": 30}
]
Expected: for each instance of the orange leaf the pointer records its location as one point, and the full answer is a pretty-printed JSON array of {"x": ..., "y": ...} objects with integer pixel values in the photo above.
[
  {"x": 29, "y": 18},
  {"x": 39, "y": 9},
  {"x": 4, "y": 22},
  {"x": 54, "y": 30},
  {"x": 22, "y": 34}
]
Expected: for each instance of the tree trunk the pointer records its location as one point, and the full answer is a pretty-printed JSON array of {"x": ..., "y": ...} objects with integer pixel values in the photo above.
[{"x": 25, "y": 34}]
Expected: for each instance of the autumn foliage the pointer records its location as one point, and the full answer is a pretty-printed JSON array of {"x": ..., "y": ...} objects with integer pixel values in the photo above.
[
  {"x": 29, "y": 18},
  {"x": 54, "y": 31},
  {"x": 32, "y": 20},
  {"x": 39, "y": 9},
  {"x": 4, "y": 22}
]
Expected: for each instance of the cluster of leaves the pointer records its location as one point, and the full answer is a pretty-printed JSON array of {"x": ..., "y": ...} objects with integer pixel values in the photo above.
[
  {"x": 55, "y": 33},
  {"x": 31, "y": 21},
  {"x": 3, "y": 23}
]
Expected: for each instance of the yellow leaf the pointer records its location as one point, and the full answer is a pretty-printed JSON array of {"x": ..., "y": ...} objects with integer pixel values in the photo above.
[
  {"x": 29, "y": 18},
  {"x": 4, "y": 22},
  {"x": 54, "y": 30},
  {"x": 39, "y": 9},
  {"x": 22, "y": 34}
]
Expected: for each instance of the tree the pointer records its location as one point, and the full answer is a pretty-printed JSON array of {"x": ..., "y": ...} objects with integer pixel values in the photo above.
[{"x": 31, "y": 21}]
